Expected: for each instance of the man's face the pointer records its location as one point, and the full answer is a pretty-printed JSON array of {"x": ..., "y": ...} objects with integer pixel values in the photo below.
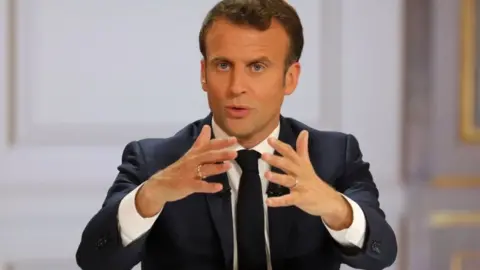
[{"x": 244, "y": 77}]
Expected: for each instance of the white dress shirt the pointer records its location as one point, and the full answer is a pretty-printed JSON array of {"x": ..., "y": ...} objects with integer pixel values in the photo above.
[{"x": 132, "y": 225}]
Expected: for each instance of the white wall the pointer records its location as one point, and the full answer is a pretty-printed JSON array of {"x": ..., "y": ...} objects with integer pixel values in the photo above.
[
  {"x": 82, "y": 78},
  {"x": 361, "y": 87}
]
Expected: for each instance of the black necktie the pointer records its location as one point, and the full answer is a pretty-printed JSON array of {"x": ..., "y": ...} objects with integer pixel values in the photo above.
[{"x": 250, "y": 214}]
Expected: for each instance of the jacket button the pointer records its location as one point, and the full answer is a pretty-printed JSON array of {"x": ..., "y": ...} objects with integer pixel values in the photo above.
[
  {"x": 101, "y": 242},
  {"x": 375, "y": 247}
]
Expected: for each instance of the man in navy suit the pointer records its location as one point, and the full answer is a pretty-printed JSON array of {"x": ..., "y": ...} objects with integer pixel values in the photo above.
[{"x": 245, "y": 187}]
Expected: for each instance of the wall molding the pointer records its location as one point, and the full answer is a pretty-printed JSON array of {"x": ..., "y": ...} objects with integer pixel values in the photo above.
[
  {"x": 455, "y": 182},
  {"x": 460, "y": 258},
  {"x": 451, "y": 219},
  {"x": 469, "y": 130}
]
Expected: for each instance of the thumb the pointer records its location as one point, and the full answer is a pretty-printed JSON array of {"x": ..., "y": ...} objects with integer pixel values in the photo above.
[{"x": 203, "y": 138}]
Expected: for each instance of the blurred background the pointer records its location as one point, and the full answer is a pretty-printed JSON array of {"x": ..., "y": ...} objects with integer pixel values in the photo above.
[{"x": 80, "y": 79}]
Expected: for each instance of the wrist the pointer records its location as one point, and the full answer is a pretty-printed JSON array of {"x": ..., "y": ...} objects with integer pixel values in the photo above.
[
  {"x": 341, "y": 215},
  {"x": 148, "y": 200}
]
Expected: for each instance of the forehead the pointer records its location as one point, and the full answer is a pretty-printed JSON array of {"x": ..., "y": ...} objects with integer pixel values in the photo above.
[{"x": 226, "y": 39}]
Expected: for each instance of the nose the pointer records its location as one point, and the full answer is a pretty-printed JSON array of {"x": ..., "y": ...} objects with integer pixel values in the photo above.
[{"x": 237, "y": 81}]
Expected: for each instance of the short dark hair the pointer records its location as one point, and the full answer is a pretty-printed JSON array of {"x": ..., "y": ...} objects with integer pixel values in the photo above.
[{"x": 258, "y": 14}]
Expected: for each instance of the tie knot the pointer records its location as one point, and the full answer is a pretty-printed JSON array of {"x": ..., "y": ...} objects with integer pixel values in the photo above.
[{"x": 248, "y": 160}]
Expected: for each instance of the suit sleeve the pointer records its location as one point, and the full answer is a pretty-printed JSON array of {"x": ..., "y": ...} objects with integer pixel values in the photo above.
[
  {"x": 355, "y": 234},
  {"x": 101, "y": 244},
  {"x": 379, "y": 249},
  {"x": 131, "y": 224}
]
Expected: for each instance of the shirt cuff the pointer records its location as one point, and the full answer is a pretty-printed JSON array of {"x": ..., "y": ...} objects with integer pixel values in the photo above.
[
  {"x": 131, "y": 224},
  {"x": 355, "y": 234}
]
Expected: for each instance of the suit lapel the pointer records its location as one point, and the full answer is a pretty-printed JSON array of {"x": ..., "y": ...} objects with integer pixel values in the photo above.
[
  {"x": 220, "y": 208},
  {"x": 280, "y": 219}
]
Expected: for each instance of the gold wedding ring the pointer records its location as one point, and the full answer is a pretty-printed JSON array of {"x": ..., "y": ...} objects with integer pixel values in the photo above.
[{"x": 199, "y": 172}]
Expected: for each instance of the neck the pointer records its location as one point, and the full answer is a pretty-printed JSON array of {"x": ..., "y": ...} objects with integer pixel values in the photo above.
[
  {"x": 256, "y": 138},
  {"x": 249, "y": 143}
]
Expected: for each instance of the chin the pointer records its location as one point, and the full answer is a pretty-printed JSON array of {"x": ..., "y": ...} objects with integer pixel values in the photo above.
[{"x": 239, "y": 130}]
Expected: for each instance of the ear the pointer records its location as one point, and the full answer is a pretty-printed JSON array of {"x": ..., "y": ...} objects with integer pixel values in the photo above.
[
  {"x": 203, "y": 77},
  {"x": 291, "y": 78}
]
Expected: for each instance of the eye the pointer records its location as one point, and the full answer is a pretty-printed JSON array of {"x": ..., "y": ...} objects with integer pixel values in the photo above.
[
  {"x": 257, "y": 67},
  {"x": 223, "y": 66}
]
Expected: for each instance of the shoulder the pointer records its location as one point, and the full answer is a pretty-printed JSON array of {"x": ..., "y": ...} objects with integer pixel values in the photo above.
[
  {"x": 167, "y": 149},
  {"x": 330, "y": 151},
  {"x": 316, "y": 135},
  {"x": 335, "y": 144}
]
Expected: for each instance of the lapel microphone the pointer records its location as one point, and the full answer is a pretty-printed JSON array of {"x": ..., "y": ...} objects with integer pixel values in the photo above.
[
  {"x": 225, "y": 192},
  {"x": 276, "y": 190}
]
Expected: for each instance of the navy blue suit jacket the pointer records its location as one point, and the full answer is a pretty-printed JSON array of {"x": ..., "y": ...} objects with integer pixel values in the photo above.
[{"x": 196, "y": 232}]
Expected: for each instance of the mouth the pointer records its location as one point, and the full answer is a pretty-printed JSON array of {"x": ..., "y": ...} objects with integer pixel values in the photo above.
[
  {"x": 237, "y": 111},
  {"x": 238, "y": 108}
]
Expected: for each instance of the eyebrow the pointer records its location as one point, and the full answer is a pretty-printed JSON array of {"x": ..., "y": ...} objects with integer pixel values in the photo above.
[{"x": 255, "y": 60}]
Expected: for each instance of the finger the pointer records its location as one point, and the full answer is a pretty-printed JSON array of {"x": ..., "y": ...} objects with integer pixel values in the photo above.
[
  {"x": 281, "y": 179},
  {"x": 214, "y": 169},
  {"x": 217, "y": 144},
  {"x": 281, "y": 162},
  {"x": 203, "y": 138},
  {"x": 282, "y": 201},
  {"x": 302, "y": 145},
  {"x": 215, "y": 156},
  {"x": 206, "y": 187},
  {"x": 284, "y": 149}
]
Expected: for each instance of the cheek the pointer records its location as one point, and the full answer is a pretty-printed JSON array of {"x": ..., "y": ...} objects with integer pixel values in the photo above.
[
  {"x": 217, "y": 82},
  {"x": 272, "y": 88},
  {"x": 215, "y": 93},
  {"x": 275, "y": 79},
  {"x": 269, "y": 101}
]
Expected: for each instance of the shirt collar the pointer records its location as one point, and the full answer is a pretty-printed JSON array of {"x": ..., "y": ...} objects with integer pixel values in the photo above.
[{"x": 262, "y": 147}]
